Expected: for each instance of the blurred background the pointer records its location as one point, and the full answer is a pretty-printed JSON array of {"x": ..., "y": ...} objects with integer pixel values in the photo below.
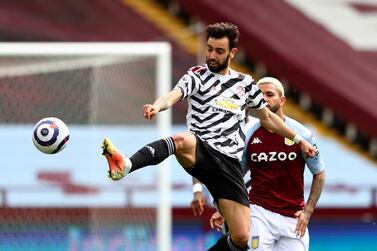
[{"x": 325, "y": 53}]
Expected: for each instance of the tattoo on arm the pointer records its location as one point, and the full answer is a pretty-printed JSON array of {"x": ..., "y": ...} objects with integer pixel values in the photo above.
[
  {"x": 315, "y": 191},
  {"x": 164, "y": 104}
]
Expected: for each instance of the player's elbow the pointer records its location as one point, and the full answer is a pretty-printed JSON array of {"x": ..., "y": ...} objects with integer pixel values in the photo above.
[{"x": 320, "y": 177}]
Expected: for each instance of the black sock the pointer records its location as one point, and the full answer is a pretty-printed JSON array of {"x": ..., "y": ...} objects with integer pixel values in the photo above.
[
  {"x": 153, "y": 153},
  {"x": 234, "y": 247},
  {"x": 221, "y": 245},
  {"x": 225, "y": 243}
]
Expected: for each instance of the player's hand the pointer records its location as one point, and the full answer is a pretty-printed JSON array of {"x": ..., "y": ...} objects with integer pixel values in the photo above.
[
  {"x": 302, "y": 222},
  {"x": 217, "y": 221},
  {"x": 308, "y": 149},
  {"x": 198, "y": 203},
  {"x": 150, "y": 111}
]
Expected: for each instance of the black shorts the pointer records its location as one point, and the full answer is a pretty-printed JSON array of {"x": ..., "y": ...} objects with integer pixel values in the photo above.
[{"x": 221, "y": 174}]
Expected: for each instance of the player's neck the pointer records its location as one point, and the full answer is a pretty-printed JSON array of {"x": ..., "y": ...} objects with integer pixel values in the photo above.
[{"x": 225, "y": 72}]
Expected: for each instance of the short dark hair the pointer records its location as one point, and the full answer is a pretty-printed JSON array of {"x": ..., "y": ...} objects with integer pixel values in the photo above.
[{"x": 220, "y": 30}]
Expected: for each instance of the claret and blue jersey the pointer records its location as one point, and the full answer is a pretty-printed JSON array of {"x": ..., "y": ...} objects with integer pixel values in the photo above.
[{"x": 277, "y": 167}]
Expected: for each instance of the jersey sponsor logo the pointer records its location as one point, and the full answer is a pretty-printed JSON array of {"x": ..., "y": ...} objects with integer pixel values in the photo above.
[
  {"x": 214, "y": 109},
  {"x": 272, "y": 156},
  {"x": 288, "y": 142},
  {"x": 256, "y": 140},
  {"x": 227, "y": 104},
  {"x": 254, "y": 242}
]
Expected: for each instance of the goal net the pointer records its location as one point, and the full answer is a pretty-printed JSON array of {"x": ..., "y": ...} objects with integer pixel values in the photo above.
[{"x": 66, "y": 200}]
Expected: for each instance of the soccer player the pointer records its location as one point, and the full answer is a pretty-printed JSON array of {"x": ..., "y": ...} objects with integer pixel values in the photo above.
[
  {"x": 279, "y": 216},
  {"x": 212, "y": 148}
]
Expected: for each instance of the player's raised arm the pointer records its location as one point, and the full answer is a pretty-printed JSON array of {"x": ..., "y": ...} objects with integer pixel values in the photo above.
[
  {"x": 161, "y": 103},
  {"x": 274, "y": 123}
]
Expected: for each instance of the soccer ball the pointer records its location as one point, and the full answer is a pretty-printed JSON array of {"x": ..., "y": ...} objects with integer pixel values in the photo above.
[{"x": 50, "y": 135}]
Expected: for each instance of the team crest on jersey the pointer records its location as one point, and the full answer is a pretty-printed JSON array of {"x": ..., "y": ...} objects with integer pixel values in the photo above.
[
  {"x": 254, "y": 242},
  {"x": 240, "y": 91},
  {"x": 288, "y": 142}
]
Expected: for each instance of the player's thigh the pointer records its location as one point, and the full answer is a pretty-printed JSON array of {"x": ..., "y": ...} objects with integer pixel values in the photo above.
[
  {"x": 237, "y": 218},
  {"x": 185, "y": 149},
  {"x": 288, "y": 238},
  {"x": 261, "y": 238},
  {"x": 293, "y": 244}
]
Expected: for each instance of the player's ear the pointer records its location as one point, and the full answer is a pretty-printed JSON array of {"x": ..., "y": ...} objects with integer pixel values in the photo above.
[
  {"x": 233, "y": 52},
  {"x": 283, "y": 99}
]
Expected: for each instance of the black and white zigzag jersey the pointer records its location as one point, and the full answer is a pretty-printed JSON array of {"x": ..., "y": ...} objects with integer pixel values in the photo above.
[{"x": 216, "y": 107}]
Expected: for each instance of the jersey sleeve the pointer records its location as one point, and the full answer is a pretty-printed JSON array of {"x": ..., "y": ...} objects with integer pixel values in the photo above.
[
  {"x": 187, "y": 84},
  {"x": 316, "y": 163},
  {"x": 255, "y": 98}
]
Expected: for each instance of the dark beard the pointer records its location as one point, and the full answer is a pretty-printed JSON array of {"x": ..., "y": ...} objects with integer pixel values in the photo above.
[
  {"x": 216, "y": 69},
  {"x": 273, "y": 109}
]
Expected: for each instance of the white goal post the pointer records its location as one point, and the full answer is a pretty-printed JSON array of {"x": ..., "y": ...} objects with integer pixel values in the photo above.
[{"x": 108, "y": 52}]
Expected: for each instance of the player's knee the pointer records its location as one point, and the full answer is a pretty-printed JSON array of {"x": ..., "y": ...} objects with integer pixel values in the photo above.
[
  {"x": 240, "y": 239},
  {"x": 183, "y": 141},
  {"x": 179, "y": 140}
]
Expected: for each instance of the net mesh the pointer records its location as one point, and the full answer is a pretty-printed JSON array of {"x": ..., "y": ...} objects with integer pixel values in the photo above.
[
  {"x": 99, "y": 90},
  {"x": 56, "y": 202}
]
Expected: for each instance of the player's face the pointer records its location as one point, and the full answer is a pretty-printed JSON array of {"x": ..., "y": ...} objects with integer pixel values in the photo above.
[
  {"x": 272, "y": 96},
  {"x": 218, "y": 54}
]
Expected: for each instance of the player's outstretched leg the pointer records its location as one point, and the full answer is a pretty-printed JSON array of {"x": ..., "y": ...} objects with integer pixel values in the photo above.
[
  {"x": 151, "y": 154},
  {"x": 116, "y": 161}
]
